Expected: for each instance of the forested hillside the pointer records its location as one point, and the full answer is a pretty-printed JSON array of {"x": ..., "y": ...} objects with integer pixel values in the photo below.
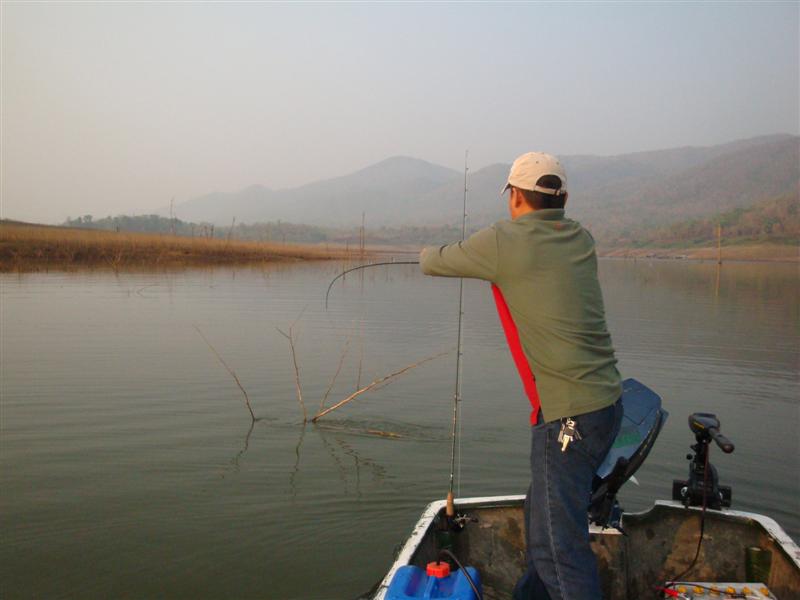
[{"x": 775, "y": 220}]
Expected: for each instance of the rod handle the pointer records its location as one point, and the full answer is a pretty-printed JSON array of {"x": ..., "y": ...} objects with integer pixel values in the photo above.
[{"x": 450, "y": 511}]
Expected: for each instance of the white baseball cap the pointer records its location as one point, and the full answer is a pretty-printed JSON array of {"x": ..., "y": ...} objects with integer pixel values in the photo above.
[{"x": 529, "y": 168}]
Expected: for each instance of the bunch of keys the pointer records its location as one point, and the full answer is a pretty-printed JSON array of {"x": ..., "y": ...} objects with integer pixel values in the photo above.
[{"x": 568, "y": 432}]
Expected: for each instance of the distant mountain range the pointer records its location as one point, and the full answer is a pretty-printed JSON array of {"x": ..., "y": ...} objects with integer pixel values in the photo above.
[
  {"x": 387, "y": 191},
  {"x": 609, "y": 194}
]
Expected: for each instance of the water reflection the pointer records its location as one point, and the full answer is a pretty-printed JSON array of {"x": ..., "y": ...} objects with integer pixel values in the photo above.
[
  {"x": 245, "y": 447},
  {"x": 296, "y": 468},
  {"x": 358, "y": 460},
  {"x": 347, "y": 461},
  {"x": 377, "y": 470},
  {"x": 340, "y": 467}
]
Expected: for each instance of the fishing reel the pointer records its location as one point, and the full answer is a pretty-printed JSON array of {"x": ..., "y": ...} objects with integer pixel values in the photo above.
[
  {"x": 702, "y": 487},
  {"x": 448, "y": 528},
  {"x": 448, "y": 523},
  {"x": 457, "y": 522}
]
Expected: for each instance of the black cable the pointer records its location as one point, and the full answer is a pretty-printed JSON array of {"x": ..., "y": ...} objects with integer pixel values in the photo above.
[
  {"x": 343, "y": 273},
  {"x": 678, "y": 579},
  {"x": 451, "y": 556}
]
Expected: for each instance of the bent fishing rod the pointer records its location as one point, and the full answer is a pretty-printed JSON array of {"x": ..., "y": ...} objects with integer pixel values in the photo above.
[{"x": 377, "y": 264}]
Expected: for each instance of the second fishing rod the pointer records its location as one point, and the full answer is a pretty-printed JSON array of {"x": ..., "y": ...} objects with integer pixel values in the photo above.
[
  {"x": 454, "y": 437},
  {"x": 450, "y": 510}
]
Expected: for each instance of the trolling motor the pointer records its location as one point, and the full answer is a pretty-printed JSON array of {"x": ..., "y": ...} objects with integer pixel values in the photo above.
[{"x": 703, "y": 482}]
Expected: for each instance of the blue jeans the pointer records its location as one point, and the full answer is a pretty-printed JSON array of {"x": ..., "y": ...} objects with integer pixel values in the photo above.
[{"x": 560, "y": 562}]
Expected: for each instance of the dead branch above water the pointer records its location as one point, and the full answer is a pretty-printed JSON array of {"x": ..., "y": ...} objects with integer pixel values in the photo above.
[
  {"x": 291, "y": 337},
  {"x": 335, "y": 375},
  {"x": 229, "y": 370},
  {"x": 375, "y": 383}
]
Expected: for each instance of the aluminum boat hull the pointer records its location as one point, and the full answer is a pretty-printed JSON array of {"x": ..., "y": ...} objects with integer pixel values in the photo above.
[{"x": 660, "y": 543}]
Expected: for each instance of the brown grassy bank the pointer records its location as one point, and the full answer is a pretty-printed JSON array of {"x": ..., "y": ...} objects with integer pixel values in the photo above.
[
  {"x": 26, "y": 247},
  {"x": 744, "y": 252}
]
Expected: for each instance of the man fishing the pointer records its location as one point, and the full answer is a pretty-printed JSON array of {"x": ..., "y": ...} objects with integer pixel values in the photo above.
[{"x": 543, "y": 271}]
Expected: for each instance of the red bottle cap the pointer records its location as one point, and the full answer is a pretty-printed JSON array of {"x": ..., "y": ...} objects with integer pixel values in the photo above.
[{"x": 438, "y": 569}]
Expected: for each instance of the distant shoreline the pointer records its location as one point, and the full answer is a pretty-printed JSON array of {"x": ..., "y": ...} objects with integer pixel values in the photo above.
[
  {"x": 30, "y": 247},
  {"x": 763, "y": 252}
]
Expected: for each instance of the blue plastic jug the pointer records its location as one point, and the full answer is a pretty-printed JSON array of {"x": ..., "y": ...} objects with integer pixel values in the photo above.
[{"x": 412, "y": 582}]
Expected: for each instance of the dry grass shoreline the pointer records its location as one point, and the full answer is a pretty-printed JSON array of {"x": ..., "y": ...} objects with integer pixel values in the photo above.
[{"x": 30, "y": 247}]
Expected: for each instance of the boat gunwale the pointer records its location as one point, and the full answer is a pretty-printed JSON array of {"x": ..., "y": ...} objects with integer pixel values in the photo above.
[{"x": 423, "y": 524}]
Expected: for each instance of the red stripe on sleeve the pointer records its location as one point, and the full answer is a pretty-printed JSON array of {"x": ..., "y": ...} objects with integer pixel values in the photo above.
[{"x": 521, "y": 362}]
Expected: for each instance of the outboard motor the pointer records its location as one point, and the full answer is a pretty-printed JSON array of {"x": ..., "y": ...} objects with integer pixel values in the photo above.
[
  {"x": 642, "y": 421},
  {"x": 703, "y": 482}
]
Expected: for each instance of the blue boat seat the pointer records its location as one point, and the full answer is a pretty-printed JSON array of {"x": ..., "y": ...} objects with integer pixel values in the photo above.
[{"x": 642, "y": 420}]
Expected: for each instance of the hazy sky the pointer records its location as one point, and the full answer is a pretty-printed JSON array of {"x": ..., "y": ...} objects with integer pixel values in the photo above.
[{"x": 112, "y": 108}]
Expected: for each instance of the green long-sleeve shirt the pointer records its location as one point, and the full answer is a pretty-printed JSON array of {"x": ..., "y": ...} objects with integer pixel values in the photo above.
[{"x": 546, "y": 268}]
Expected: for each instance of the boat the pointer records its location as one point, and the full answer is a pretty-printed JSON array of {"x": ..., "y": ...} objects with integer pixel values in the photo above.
[{"x": 691, "y": 546}]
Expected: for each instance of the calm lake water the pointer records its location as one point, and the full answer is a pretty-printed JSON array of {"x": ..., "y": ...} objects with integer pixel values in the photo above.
[{"x": 129, "y": 467}]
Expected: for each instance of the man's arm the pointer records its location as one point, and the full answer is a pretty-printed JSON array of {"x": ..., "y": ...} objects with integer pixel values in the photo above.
[{"x": 475, "y": 257}]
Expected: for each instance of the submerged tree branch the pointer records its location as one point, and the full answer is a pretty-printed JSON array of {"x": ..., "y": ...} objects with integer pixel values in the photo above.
[
  {"x": 229, "y": 370},
  {"x": 290, "y": 336},
  {"x": 375, "y": 383},
  {"x": 361, "y": 353},
  {"x": 335, "y": 375}
]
